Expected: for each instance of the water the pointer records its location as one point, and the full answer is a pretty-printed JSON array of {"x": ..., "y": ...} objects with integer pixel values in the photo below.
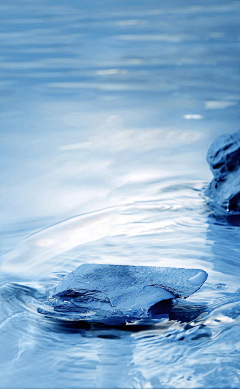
[{"x": 108, "y": 110}]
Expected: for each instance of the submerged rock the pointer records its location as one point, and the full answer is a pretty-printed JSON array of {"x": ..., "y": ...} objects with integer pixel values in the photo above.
[
  {"x": 114, "y": 294},
  {"x": 224, "y": 159}
]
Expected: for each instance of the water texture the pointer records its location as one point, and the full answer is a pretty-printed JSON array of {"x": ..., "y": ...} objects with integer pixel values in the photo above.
[{"x": 107, "y": 112}]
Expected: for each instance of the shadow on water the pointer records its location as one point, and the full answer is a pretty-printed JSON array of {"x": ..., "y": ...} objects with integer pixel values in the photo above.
[
  {"x": 178, "y": 309},
  {"x": 181, "y": 314},
  {"x": 161, "y": 315},
  {"x": 223, "y": 233}
]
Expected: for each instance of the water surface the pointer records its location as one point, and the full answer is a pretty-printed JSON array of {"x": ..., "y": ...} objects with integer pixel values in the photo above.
[{"x": 108, "y": 109}]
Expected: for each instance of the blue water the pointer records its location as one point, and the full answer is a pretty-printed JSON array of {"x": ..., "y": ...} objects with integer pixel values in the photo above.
[{"x": 107, "y": 112}]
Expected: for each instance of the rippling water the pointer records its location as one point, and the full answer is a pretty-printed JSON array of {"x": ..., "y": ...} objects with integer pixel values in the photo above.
[{"x": 108, "y": 109}]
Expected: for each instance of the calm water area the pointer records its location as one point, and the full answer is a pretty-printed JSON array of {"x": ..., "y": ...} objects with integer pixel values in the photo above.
[{"x": 108, "y": 109}]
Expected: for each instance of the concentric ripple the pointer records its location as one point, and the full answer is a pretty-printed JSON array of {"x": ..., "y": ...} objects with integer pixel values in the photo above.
[{"x": 174, "y": 229}]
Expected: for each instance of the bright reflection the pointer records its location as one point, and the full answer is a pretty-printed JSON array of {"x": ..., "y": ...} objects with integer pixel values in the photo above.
[
  {"x": 45, "y": 242},
  {"x": 131, "y": 22},
  {"x": 110, "y": 72},
  {"x": 194, "y": 117},
  {"x": 154, "y": 37},
  {"x": 219, "y": 104},
  {"x": 147, "y": 139}
]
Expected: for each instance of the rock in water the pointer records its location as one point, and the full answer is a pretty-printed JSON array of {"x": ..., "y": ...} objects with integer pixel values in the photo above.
[
  {"x": 224, "y": 160},
  {"x": 114, "y": 294}
]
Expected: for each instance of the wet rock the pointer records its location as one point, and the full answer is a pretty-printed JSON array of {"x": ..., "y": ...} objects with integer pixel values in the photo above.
[
  {"x": 224, "y": 159},
  {"x": 114, "y": 294}
]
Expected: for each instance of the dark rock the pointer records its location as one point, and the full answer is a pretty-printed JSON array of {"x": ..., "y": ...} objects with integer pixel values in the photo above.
[
  {"x": 112, "y": 294},
  {"x": 224, "y": 159}
]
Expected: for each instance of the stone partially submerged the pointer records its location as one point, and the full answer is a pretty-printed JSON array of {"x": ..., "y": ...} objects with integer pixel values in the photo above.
[
  {"x": 224, "y": 159},
  {"x": 114, "y": 294}
]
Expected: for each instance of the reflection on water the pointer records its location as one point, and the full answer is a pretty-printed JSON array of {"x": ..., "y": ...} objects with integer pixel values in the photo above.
[{"x": 108, "y": 110}]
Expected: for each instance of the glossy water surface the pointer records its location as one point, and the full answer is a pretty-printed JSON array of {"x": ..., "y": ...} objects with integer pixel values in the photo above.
[{"x": 108, "y": 109}]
